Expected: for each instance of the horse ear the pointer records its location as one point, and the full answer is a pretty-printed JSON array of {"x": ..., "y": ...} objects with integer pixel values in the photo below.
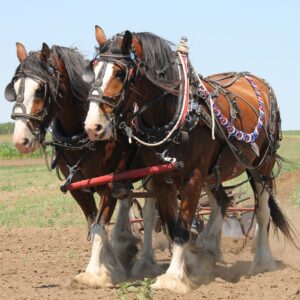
[
  {"x": 45, "y": 53},
  {"x": 21, "y": 52},
  {"x": 138, "y": 47},
  {"x": 126, "y": 41},
  {"x": 100, "y": 35}
]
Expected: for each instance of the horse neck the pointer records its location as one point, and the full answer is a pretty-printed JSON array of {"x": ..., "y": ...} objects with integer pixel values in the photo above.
[
  {"x": 161, "y": 112},
  {"x": 70, "y": 114}
]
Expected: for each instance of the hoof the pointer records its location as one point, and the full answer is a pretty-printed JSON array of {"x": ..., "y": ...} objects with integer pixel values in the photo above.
[
  {"x": 170, "y": 282},
  {"x": 146, "y": 269},
  {"x": 125, "y": 248},
  {"x": 93, "y": 281},
  {"x": 103, "y": 280},
  {"x": 122, "y": 189},
  {"x": 259, "y": 266},
  {"x": 200, "y": 265}
]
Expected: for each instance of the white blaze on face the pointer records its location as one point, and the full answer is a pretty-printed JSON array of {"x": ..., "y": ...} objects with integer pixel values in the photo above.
[
  {"x": 95, "y": 115},
  {"x": 21, "y": 131}
]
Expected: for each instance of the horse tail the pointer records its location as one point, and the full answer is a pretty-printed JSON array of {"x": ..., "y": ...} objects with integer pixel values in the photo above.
[
  {"x": 282, "y": 223},
  {"x": 279, "y": 219}
]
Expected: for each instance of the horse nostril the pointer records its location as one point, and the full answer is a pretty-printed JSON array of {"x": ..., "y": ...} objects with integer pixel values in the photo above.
[
  {"x": 25, "y": 141},
  {"x": 98, "y": 127}
]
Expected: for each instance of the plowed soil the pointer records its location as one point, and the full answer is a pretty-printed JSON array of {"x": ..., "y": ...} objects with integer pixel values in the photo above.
[{"x": 39, "y": 263}]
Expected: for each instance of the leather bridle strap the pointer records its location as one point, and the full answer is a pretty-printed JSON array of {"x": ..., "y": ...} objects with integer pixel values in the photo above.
[
  {"x": 40, "y": 115},
  {"x": 96, "y": 94},
  {"x": 20, "y": 99}
]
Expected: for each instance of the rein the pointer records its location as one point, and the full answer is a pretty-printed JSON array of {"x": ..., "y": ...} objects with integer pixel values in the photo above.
[
  {"x": 76, "y": 142},
  {"x": 179, "y": 117},
  {"x": 189, "y": 110}
]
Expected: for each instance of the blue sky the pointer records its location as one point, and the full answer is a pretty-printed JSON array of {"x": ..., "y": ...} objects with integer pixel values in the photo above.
[{"x": 260, "y": 36}]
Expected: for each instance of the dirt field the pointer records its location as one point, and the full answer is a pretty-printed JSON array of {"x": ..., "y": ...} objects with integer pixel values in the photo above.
[{"x": 39, "y": 263}]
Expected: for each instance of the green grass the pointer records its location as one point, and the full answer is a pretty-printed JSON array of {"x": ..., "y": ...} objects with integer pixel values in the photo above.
[
  {"x": 290, "y": 150},
  {"x": 291, "y": 132},
  {"x": 8, "y": 151},
  {"x": 30, "y": 196},
  {"x": 6, "y": 138},
  {"x": 139, "y": 290},
  {"x": 6, "y": 128}
]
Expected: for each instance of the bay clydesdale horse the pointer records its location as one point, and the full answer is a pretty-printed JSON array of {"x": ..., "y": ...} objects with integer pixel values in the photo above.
[
  {"x": 48, "y": 87},
  {"x": 175, "y": 114}
]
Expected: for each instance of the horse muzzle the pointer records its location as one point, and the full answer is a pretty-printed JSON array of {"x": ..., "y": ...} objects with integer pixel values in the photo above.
[
  {"x": 24, "y": 145},
  {"x": 98, "y": 132},
  {"x": 23, "y": 139}
]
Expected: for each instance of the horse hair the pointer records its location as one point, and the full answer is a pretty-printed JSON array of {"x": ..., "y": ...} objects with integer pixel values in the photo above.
[
  {"x": 158, "y": 59},
  {"x": 279, "y": 219},
  {"x": 74, "y": 63}
]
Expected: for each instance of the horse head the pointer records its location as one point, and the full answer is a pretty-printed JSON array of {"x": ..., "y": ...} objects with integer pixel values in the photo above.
[
  {"x": 40, "y": 84},
  {"x": 128, "y": 68},
  {"x": 111, "y": 72},
  {"x": 31, "y": 92}
]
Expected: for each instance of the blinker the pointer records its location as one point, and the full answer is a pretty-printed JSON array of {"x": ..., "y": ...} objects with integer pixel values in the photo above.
[
  {"x": 88, "y": 74},
  {"x": 50, "y": 70},
  {"x": 132, "y": 55},
  {"x": 9, "y": 93}
]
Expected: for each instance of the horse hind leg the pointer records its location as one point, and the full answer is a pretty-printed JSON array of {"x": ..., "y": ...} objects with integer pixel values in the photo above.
[
  {"x": 146, "y": 266},
  {"x": 201, "y": 258},
  {"x": 263, "y": 259},
  {"x": 123, "y": 241},
  {"x": 210, "y": 238}
]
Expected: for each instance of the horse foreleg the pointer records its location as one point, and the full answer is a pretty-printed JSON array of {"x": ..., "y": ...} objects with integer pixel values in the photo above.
[
  {"x": 123, "y": 241},
  {"x": 176, "y": 277},
  {"x": 104, "y": 269}
]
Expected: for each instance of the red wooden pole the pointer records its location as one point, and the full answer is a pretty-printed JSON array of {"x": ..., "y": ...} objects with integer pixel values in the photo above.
[{"x": 131, "y": 174}]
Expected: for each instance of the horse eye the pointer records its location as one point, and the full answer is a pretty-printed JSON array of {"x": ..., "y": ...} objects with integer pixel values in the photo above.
[
  {"x": 120, "y": 74},
  {"x": 40, "y": 92}
]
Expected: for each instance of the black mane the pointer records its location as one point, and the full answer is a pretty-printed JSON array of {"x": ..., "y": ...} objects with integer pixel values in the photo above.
[
  {"x": 33, "y": 65},
  {"x": 74, "y": 63},
  {"x": 158, "y": 58}
]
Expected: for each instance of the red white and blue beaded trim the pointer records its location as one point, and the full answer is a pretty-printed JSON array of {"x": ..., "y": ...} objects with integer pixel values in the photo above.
[{"x": 231, "y": 129}]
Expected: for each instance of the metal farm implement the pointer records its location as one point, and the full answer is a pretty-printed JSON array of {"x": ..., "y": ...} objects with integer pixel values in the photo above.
[{"x": 238, "y": 221}]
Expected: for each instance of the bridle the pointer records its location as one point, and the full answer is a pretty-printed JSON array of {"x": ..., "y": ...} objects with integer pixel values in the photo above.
[
  {"x": 133, "y": 66},
  {"x": 51, "y": 92},
  {"x": 129, "y": 62}
]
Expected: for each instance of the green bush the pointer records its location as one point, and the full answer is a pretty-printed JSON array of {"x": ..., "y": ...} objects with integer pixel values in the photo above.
[
  {"x": 6, "y": 128},
  {"x": 8, "y": 151}
]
